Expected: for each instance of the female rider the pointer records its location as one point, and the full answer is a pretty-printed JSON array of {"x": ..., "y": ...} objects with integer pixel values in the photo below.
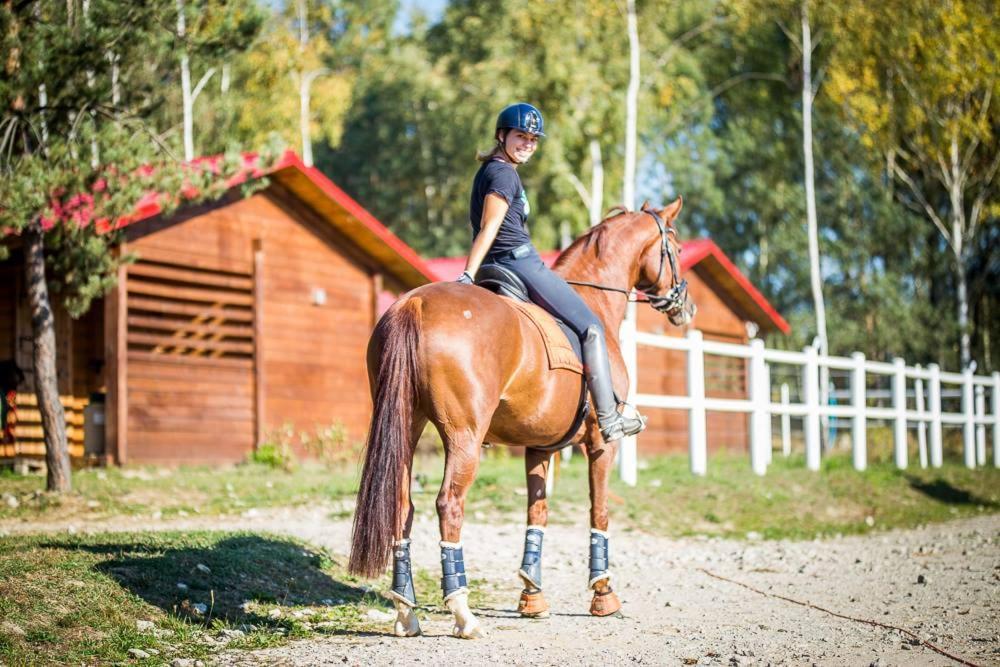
[{"x": 498, "y": 211}]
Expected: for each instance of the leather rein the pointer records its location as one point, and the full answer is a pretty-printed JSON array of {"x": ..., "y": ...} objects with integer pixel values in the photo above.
[{"x": 676, "y": 296}]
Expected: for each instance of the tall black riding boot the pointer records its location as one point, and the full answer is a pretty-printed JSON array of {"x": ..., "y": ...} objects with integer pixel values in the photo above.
[{"x": 614, "y": 425}]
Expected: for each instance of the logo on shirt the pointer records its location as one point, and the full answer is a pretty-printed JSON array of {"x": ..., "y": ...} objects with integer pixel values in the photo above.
[{"x": 525, "y": 204}]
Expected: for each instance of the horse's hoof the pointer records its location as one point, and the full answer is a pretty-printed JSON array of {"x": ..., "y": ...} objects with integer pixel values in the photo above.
[
  {"x": 605, "y": 603},
  {"x": 406, "y": 624},
  {"x": 533, "y": 605},
  {"x": 475, "y": 631},
  {"x": 402, "y": 631}
]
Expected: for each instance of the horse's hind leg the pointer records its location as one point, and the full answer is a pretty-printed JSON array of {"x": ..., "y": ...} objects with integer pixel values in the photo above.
[
  {"x": 532, "y": 603},
  {"x": 600, "y": 459},
  {"x": 461, "y": 464},
  {"x": 402, "y": 593}
]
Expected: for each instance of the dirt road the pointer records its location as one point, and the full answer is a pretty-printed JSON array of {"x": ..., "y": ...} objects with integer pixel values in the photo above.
[{"x": 942, "y": 582}]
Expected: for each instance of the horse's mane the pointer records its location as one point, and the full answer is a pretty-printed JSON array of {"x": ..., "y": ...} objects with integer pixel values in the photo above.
[{"x": 595, "y": 236}]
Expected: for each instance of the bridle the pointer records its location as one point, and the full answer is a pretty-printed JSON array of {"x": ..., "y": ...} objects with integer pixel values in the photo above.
[{"x": 675, "y": 298}]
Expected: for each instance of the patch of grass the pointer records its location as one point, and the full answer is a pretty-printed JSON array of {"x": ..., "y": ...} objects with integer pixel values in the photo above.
[
  {"x": 78, "y": 599},
  {"x": 788, "y": 502},
  {"x": 106, "y": 492}
]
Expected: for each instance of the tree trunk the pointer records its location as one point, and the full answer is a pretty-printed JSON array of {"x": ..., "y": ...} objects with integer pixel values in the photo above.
[
  {"x": 961, "y": 283},
  {"x": 187, "y": 98},
  {"x": 813, "y": 226},
  {"x": 307, "y": 156},
  {"x": 44, "y": 362},
  {"x": 631, "y": 108},
  {"x": 596, "y": 182}
]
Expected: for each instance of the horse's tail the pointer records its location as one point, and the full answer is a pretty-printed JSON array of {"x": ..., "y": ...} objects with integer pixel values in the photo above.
[{"x": 379, "y": 506}]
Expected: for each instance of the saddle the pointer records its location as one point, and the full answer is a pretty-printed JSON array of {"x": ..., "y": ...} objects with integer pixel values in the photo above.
[{"x": 562, "y": 345}]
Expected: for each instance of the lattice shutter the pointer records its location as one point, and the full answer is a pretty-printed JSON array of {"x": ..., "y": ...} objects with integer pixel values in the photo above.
[{"x": 179, "y": 311}]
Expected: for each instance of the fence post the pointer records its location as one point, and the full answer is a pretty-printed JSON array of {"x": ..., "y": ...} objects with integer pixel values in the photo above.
[
  {"x": 996, "y": 419},
  {"x": 769, "y": 435},
  {"x": 980, "y": 426},
  {"x": 859, "y": 425},
  {"x": 786, "y": 423},
  {"x": 550, "y": 478},
  {"x": 627, "y": 454},
  {"x": 810, "y": 388},
  {"x": 918, "y": 389},
  {"x": 696, "y": 392},
  {"x": 899, "y": 407},
  {"x": 934, "y": 397},
  {"x": 969, "y": 425},
  {"x": 759, "y": 400}
]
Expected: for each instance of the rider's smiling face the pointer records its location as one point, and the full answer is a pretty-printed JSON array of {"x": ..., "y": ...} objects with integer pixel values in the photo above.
[{"x": 520, "y": 146}]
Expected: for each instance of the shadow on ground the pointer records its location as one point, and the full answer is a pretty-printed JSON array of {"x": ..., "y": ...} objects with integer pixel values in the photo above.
[
  {"x": 223, "y": 575},
  {"x": 945, "y": 492}
]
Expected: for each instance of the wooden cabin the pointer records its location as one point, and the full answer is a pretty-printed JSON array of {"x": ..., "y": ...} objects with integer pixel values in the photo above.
[
  {"x": 238, "y": 317},
  {"x": 730, "y": 309}
]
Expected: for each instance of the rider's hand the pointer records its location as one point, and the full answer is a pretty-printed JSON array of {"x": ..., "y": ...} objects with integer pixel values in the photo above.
[{"x": 465, "y": 278}]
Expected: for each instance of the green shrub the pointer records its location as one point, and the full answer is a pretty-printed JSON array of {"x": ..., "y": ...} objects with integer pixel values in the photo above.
[{"x": 276, "y": 448}]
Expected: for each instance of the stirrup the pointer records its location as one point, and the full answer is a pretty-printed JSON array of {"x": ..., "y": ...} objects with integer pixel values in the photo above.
[{"x": 621, "y": 426}]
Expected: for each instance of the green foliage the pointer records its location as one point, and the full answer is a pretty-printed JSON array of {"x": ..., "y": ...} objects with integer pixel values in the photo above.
[
  {"x": 273, "y": 455},
  {"x": 331, "y": 446},
  {"x": 77, "y": 152}
]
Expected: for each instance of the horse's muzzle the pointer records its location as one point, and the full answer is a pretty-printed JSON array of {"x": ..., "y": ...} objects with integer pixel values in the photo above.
[
  {"x": 683, "y": 315},
  {"x": 675, "y": 304}
]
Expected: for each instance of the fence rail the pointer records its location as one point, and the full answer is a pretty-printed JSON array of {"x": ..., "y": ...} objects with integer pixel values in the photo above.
[{"x": 922, "y": 384}]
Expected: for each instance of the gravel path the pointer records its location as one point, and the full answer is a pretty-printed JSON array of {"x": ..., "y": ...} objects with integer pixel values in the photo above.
[{"x": 942, "y": 582}]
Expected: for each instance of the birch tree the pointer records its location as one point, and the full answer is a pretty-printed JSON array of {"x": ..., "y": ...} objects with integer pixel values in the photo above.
[
  {"x": 631, "y": 105},
  {"x": 920, "y": 82},
  {"x": 206, "y": 32}
]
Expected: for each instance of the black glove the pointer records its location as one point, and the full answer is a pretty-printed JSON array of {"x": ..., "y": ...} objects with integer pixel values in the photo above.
[{"x": 465, "y": 279}]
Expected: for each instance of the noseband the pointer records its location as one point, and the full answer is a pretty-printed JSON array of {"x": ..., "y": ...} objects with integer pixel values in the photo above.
[{"x": 675, "y": 298}]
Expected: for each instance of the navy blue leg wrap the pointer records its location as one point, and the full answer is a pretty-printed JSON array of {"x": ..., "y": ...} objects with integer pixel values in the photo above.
[
  {"x": 452, "y": 570},
  {"x": 402, "y": 574},
  {"x": 598, "y": 556},
  {"x": 531, "y": 562}
]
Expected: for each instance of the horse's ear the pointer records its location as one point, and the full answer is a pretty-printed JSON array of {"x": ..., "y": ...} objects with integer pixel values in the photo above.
[
  {"x": 673, "y": 209},
  {"x": 644, "y": 206}
]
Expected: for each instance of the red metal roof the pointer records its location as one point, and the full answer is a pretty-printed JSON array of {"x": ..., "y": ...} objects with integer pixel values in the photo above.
[
  {"x": 700, "y": 255},
  {"x": 307, "y": 183}
]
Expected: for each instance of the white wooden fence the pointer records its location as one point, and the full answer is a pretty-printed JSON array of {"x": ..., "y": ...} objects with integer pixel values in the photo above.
[{"x": 914, "y": 380}]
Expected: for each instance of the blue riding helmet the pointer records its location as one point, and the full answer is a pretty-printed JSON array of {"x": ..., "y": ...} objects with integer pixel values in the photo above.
[{"x": 523, "y": 117}]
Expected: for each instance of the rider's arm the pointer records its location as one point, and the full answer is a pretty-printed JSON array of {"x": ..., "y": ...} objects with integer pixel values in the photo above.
[{"x": 494, "y": 209}]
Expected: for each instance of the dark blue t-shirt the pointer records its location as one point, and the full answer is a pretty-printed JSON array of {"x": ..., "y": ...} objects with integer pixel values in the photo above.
[{"x": 500, "y": 177}]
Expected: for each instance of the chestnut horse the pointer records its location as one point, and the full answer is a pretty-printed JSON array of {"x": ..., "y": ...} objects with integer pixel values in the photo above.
[{"x": 461, "y": 357}]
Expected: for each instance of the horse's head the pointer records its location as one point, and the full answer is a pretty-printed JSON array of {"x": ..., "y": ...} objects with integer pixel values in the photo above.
[{"x": 659, "y": 265}]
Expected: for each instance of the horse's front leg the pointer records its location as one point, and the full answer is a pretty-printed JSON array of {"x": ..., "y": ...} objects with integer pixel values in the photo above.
[
  {"x": 600, "y": 458},
  {"x": 532, "y": 603},
  {"x": 461, "y": 464}
]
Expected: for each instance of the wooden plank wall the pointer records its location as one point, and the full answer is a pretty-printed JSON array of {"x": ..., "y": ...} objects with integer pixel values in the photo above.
[
  {"x": 312, "y": 356},
  {"x": 190, "y": 360},
  {"x": 664, "y": 372}
]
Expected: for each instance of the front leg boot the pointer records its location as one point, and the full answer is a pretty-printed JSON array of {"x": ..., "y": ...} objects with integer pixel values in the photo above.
[{"x": 604, "y": 602}]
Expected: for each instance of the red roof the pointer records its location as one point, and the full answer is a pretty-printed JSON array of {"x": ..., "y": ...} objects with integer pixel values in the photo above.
[
  {"x": 307, "y": 183},
  {"x": 701, "y": 255}
]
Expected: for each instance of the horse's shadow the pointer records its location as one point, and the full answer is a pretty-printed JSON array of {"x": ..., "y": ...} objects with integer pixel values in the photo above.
[
  {"x": 945, "y": 492},
  {"x": 215, "y": 581}
]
